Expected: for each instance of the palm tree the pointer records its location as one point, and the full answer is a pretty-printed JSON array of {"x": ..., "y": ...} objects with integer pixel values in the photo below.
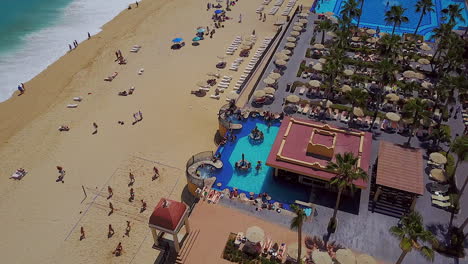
[
  {"x": 411, "y": 233},
  {"x": 347, "y": 171},
  {"x": 350, "y": 10},
  {"x": 325, "y": 25},
  {"x": 453, "y": 13},
  {"x": 439, "y": 135},
  {"x": 395, "y": 16},
  {"x": 296, "y": 224},
  {"x": 357, "y": 97},
  {"x": 390, "y": 45},
  {"x": 418, "y": 110},
  {"x": 460, "y": 147},
  {"x": 423, "y": 6}
]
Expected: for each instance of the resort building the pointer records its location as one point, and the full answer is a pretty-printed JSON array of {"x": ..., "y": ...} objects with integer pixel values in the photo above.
[
  {"x": 303, "y": 148},
  {"x": 397, "y": 179}
]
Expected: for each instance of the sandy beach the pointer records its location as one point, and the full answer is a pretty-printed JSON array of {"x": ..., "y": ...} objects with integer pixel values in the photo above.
[{"x": 41, "y": 218}]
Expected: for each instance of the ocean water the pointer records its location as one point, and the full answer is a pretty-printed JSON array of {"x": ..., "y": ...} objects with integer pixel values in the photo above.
[{"x": 35, "y": 33}]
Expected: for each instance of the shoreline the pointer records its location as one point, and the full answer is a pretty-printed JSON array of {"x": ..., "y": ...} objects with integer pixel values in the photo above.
[{"x": 92, "y": 47}]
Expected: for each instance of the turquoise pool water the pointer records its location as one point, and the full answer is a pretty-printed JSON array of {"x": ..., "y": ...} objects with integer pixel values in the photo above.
[
  {"x": 373, "y": 14},
  {"x": 256, "y": 181}
]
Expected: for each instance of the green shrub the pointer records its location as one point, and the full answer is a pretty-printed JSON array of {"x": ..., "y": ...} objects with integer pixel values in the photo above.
[
  {"x": 302, "y": 67},
  {"x": 309, "y": 53}
]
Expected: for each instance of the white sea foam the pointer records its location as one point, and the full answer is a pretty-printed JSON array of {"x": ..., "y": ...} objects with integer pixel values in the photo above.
[{"x": 45, "y": 46}]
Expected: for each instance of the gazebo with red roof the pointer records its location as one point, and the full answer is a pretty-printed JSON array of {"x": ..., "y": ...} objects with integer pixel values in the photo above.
[
  {"x": 168, "y": 217},
  {"x": 303, "y": 148}
]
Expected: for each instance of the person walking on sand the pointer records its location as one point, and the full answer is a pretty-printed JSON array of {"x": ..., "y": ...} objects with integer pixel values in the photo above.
[
  {"x": 264, "y": 17},
  {"x": 70, "y": 47},
  {"x": 132, "y": 179},
  {"x": 143, "y": 206},
  {"x": 127, "y": 230},
  {"x": 132, "y": 195},
  {"x": 140, "y": 115},
  {"x": 111, "y": 207},
  {"x": 135, "y": 117},
  {"x": 82, "y": 236},
  {"x": 20, "y": 89},
  {"x": 118, "y": 250},
  {"x": 111, "y": 231},
  {"x": 89, "y": 35},
  {"x": 136, "y": 3},
  {"x": 95, "y": 128},
  {"x": 110, "y": 191},
  {"x": 61, "y": 172},
  {"x": 240, "y": 18}
]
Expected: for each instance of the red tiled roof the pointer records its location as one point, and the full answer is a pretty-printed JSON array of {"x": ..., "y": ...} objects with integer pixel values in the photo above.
[
  {"x": 167, "y": 214},
  {"x": 297, "y": 140},
  {"x": 400, "y": 168}
]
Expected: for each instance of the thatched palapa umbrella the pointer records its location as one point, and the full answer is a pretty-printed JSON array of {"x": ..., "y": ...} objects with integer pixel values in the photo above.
[
  {"x": 295, "y": 33},
  {"x": 286, "y": 51},
  {"x": 291, "y": 39},
  {"x": 292, "y": 251},
  {"x": 269, "y": 81},
  {"x": 348, "y": 72},
  {"x": 269, "y": 90},
  {"x": 303, "y": 20},
  {"x": 439, "y": 175},
  {"x": 365, "y": 259},
  {"x": 318, "y": 67},
  {"x": 346, "y": 88},
  {"x": 345, "y": 256},
  {"x": 426, "y": 47},
  {"x": 357, "y": 111},
  {"x": 321, "y": 257},
  {"x": 315, "y": 83},
  {"x": 424, "y": 61},
  {"x": 318, "y": 46},
  {"x": 232, "y": 95},
  {"x": 258, "y": 94},
  {"x": 438, "y": 158},
  {"x": 297, "y": 28},
  {"x": 293, "y": 98},
  {"x": 281, "y": 56},
  {"x": 299, "y": 24},
  {"x": 393, "y": 116},
  {"x": 371, "y": 31},
  {"x": 392, "y": 97},
  {"x": 331, "y": 34},
  {"x": 255, "y": 234},
  {"x": 409, "y": 74},
  {"x": 274, "y": 76},
  {"x": 355, "y": 39},
  {"x": 280, "y": 62},
  {"x": 290, "y": 45}
]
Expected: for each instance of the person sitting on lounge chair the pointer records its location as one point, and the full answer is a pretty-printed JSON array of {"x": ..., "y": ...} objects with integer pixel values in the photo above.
[{"x": 124, "y": 93}]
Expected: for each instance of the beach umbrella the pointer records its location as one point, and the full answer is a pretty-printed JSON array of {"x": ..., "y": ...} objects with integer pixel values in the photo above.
[
  {"x": 429, "y": 102},
  {"x": 201, "y": 30},
  {"x": 424, "y": 61},
  {"x": 303, "y": 15},
  {"x": 259, "y": 94},
  {"x": 371, "y": 31},
  {"x": 365, "y": 259},
  {"x": 345, "y": 256},
  {"x": 255, "y": 234},
  {"x": 357, "y": 111},
  {"x": 232, "y": 95},
  {"x": 393, "y": 116},
  {"x": 419, "y": 75},
  {"x": 409, "y": 74},
  {"x": 408, "y": 120},
  {"x": 248, "y": 38},
  {"x": 321, "y": 257},
  {"x": 269, "y": 90},
  {"x": 295, "y": 33},
  {"x": 346, "y": 88},
  {"x": 438, "y": 158},
  {"x": 322, "y": 60},
  {"x": 291, "y": 39},
  {"x": 280, "y": 62},
  {"x": 290, "y": 45},
  {"x": 274, "y": 76},
  {"x": 299, "y": 24},
  {"x": 285, "y": 51},
  {"x": 292, "y": 98},
  {"x": 439, "y": 175},
  {"x": 326, "y": 103},
  {"x": 218, "y": 11},
  {"x": 333, "y": 19},
  {"x": 426, "y": 47},
  {"x": 177, "y": 40},
  {"x": 292, "y": 250},
  {"x": 318, "y": 46},
  {"x": 392, "y": 97},
  {"x": 348, "y": 72},
  {"x": 297, "y": 28},
  {"x": 355, "y": 39},
  {"x": 315, "y": 83},
  {"x": 318, "y": 67},
  {"x": 245, "y": 47},
  {"x": 328, "y": 13},
  {"x": 196, "y": 39},
  {"x": 269, "y": 81},
  {"x": 331, "y": 34},
  {"x": 303, "y": 20}
]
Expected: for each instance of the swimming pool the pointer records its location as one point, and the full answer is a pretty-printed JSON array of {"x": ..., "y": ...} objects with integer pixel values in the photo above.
[
  {"x": 252, "y": 180},
  {"x": 373, "y": 14}
]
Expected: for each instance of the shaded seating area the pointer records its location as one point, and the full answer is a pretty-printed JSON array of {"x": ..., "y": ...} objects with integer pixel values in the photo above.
[{"x": 397, "y": 179}]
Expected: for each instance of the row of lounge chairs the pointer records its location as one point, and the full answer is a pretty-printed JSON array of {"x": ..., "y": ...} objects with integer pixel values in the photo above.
[
  {"x": 224, "y": 83},
  {"x": 261, "y": 7},
  {"x": 273, "y": 10},
  {"x": 135, "y": 48},
  {"x": 241, "y": 81},
  {"x": 235, "y": 64},
  {"x": 234, "y": 45},
  {"x": 288, "y": 8},
  {"x": 257, "y": 55}
]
